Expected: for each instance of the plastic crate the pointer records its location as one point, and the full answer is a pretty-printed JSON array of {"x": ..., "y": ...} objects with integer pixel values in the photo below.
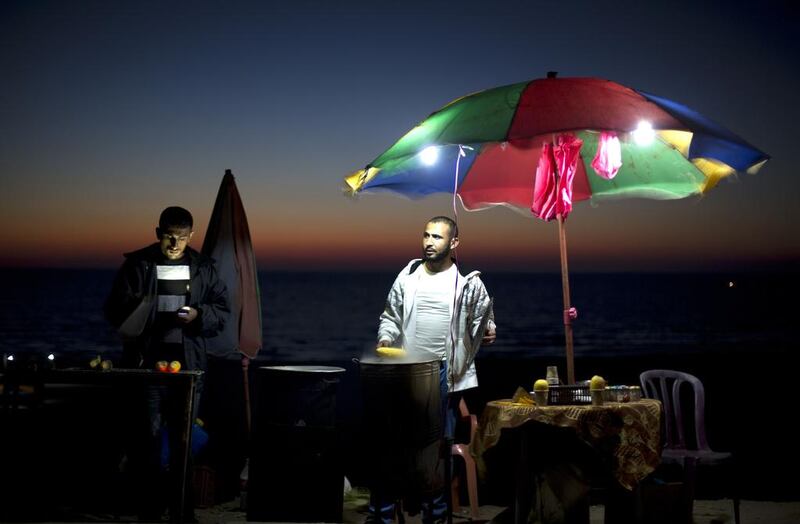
[
  {"x": 204, "y": 480},
  {"x": 573, "y": 394}
]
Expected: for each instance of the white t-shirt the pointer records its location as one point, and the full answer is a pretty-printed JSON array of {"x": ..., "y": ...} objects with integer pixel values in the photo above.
[{"x": 434, "y": 303}]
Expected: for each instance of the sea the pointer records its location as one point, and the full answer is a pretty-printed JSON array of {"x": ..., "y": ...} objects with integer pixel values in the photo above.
[{"x": 316, "y": 316}]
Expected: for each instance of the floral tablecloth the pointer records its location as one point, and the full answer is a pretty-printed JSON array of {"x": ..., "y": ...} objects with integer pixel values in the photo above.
[{"x": 630, "y": 433}]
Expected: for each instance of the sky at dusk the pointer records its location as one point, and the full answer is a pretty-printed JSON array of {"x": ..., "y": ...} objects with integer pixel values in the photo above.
[{"x": 111, "y": 111}]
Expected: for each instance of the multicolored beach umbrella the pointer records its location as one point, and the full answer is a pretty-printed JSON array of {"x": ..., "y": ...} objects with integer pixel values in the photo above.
[
  {"x": 488, "y": 148},
  {"x": 504, "y": 129}
]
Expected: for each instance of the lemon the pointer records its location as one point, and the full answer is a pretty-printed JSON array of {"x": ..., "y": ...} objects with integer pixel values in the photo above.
[
  {"x": 597, "y": 382},
  {"x": 391, "y": 352},
  {"x": 541, "y": 385}
]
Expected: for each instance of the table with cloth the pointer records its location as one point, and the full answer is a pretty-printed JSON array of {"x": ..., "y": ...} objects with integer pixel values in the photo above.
[{"x": 556, "y": 444}]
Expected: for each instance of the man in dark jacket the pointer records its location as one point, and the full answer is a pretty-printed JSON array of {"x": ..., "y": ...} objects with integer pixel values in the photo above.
[
  {"x": 165, "y": 301},
  {"x": 167, "y": 295}
]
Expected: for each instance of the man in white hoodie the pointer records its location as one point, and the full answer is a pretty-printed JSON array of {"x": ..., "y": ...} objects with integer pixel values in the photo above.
[{"x": 433, "y": 310}]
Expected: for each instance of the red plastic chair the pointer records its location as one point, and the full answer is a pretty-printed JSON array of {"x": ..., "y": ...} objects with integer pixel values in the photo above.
[
  {"x": 463, "y": 450},
  {"x": 666, "y": 386}
]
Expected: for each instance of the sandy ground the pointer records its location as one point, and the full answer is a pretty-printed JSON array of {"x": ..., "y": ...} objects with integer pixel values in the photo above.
[
  {"x": 705, "y": 512},
  {"x": 355, "y": 512}
]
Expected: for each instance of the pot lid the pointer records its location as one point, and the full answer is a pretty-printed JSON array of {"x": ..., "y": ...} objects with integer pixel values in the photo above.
[{"x": 305, "y": 369}]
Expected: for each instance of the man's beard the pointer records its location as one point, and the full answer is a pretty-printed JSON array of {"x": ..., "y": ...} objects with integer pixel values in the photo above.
[{"x": 436, "y": 257}]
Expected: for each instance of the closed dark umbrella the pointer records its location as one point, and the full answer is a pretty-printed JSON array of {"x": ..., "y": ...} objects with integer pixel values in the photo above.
[{"x": 228, "y": 242}]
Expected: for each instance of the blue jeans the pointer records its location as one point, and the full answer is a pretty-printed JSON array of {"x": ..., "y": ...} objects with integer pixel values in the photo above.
[{"x": 435, "y": 508}]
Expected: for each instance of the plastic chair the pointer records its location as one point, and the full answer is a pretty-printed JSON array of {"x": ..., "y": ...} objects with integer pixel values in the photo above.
[
  {"x": 462, "y": 450},
  {"x": 665, "y": 386}
]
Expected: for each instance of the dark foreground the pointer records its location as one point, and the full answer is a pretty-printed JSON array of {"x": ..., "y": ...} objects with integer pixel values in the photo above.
[
  {"x": 61, "y": 462},
  {"x": 705, "y": 512}
]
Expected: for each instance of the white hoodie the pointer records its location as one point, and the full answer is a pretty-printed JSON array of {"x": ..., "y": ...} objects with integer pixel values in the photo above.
[{"x": 472, "y": 315}]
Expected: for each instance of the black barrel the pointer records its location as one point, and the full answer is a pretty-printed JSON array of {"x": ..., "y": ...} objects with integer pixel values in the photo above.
[
  {"x": 296, "y": 473},
  {"x": 402, "y": 424}
]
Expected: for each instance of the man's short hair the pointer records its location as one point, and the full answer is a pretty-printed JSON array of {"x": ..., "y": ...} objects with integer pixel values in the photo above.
[
  {"x": 175, "y": 216},
  {"x": 446, "y": 220}
]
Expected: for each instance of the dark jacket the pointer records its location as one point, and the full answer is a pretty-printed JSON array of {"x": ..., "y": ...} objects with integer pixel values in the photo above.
[{"x": 136, "y": 279}]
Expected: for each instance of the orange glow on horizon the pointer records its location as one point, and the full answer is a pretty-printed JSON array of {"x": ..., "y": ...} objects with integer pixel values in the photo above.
[{"x": 384, "y": 232}]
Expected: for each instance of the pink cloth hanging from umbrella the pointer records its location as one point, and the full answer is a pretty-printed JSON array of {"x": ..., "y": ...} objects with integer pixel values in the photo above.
[
  {"x": 608, "y": 159},
  {"x": 552, "y": 193}
]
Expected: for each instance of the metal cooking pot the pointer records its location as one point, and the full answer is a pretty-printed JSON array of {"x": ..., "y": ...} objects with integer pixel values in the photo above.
[
  {"x": 295, "y": 447},
  {"x": 402, "y": 423}
]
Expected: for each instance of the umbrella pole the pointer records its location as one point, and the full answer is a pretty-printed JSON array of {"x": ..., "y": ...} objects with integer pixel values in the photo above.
[
  {"x": 562, "y": 242},
  {"x": 244, "y": 476},
  {"x": 246, "y": 381}
]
